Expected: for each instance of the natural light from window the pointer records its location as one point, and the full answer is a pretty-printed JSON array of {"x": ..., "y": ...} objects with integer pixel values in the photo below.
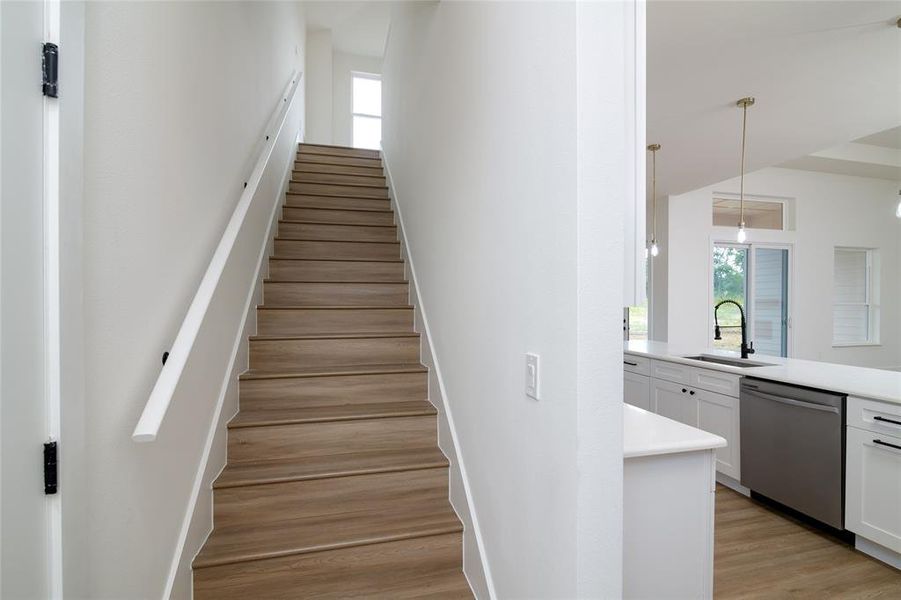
[{"x": 367, "y": 110}]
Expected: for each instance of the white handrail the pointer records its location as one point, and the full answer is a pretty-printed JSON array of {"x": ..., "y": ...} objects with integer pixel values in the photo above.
[{"x": 155, "y": 410}]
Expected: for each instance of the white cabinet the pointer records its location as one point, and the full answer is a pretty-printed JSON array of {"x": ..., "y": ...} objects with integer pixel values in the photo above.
[
  {"x": 718, "y": 414},
  {"x": 674, "y": 401},
  {"x": 873, "y": 487},
  {"x": 703, "y": 398},
  {"x": 660, "y": 369},
  {"x": 637, "y": 390}
]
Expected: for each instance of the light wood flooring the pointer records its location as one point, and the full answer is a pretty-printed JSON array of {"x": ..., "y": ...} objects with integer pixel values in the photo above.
[{"x": 761, "y": 553}]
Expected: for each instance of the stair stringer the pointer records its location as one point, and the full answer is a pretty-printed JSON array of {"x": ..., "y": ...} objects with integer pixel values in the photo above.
[{"x": 475, "y": 564}]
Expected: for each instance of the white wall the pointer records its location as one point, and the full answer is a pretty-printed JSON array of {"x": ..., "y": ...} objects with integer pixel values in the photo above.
[
  {"x": 319, "y": 87},
  {"x": 176, "y": 98},
  {"x": 495, "y": 181},
  {"x": 328, "y": 89},
  {"x": 343, "y": 65},
  {"x": 830, "y": 210}
]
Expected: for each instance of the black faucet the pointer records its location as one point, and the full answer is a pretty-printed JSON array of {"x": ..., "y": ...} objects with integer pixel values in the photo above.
[{"x": 746, "y": 348}]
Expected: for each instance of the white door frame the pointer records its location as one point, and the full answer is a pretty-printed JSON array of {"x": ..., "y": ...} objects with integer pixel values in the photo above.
[{"x": 716, "y": 241}]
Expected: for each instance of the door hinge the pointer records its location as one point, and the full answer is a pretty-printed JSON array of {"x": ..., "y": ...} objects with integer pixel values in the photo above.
[
  {"x": 50, "y": 468},
  {"x": 50, "y": 69}
]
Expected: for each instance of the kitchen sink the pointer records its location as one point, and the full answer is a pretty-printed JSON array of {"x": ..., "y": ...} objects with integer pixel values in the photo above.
[{"x": 732, "y": 362}]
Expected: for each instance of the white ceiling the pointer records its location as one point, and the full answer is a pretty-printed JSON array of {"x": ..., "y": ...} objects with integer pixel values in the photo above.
[
  {"x": 823, "y": 74},
  {"x": 357, "y": 27}
]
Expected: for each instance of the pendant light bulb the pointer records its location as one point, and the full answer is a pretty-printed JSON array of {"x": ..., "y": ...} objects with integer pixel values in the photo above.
[
  {"x": 742, "y": 234},
  {"x": 655, "y": 249}
]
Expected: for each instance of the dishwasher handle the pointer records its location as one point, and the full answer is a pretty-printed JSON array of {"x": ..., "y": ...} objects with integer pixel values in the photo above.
[{"x": 790, "y": 401}]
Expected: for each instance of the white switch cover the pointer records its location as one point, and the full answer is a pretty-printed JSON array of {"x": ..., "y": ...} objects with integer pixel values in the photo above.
[{"x": 532, "y": 378}]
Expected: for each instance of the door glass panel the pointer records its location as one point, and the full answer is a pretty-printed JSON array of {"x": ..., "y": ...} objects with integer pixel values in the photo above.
[
  {"x": 730, "y": 282},
  {"x": 771, "y": 301}
]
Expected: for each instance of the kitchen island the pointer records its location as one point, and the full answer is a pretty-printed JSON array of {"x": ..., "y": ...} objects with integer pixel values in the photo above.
[{"x": 668, "y": 507}]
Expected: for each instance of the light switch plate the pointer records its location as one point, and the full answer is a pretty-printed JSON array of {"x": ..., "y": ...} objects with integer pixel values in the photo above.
[{"x": 532, "y": 376}]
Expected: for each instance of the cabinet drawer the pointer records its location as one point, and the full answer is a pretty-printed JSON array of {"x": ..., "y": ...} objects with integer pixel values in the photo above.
[
  {"x": 872, "y": 415},
  {"x": 873, "y": 487},
  {"x": 670, "y": 371},
  {"x": 715, "y": 381},
  {"x": 637, "y": 364}
]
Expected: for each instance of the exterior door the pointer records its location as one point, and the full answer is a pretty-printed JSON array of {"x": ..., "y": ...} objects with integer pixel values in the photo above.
[
  {"x": 29, "y": 519},
  {"x": 769, "y": 300}
]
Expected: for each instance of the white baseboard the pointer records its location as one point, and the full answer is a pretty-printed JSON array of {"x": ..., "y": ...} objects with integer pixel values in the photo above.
[
  {"x": 878, "y": 551},
  {"x": 732, "y": 484},
  {"x": 475, "y": 564},
  {"x": 198, "y": 521}
]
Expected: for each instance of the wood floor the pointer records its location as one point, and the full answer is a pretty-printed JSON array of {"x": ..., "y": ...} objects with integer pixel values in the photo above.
[
  {"x": 334, "y": 486},
  {"x": 763, "y": 554}
]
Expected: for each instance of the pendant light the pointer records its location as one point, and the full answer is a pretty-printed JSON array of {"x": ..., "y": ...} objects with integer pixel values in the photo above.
[
  {"x": 744, "y": 103},
  {"x": 655, "y": 249}
]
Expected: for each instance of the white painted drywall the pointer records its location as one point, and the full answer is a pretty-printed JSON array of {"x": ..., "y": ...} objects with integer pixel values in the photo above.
[
  {"x": 493, "y": 180},
  {"x": 343, "y": 65},
  {"x": 830, "y": 210},
  {"x": 319, "y": 87},
  {"x": 176, "y": 98}
]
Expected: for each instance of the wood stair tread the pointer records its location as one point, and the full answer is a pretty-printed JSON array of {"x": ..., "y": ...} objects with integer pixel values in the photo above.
[
  {"x": 344, "y": 281},
  {"x": 299, "y": 203},
  {"x": 426, "y": 567},
  {"x": 333, "y": 465},
  {"x": 356, "y": 260},
  {"x": 251, "y": 417},
  {"x": 338, "y": 306},
  {"x": 328, "y": 195},
  {"x": 337, "y": 241},
  {"x": 303, "y": 222},
  {"x": 337, "y": 336},
  {"x": 296, "y": 179},
  {"x": 370, "y": 369},
  {"x": 384, "y": 523}
]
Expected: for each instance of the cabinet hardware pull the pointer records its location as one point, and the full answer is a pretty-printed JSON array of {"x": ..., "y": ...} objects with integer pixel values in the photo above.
[
  {"x": 691, "y": 392},
  {"x": 892, "y": 421},
  {"x": 684, "y": 390},
  {"x": 881, "y": 443},
  {"x": 631, "y": 364}
]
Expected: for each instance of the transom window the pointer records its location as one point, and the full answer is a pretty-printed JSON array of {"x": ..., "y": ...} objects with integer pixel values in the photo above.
[{"x": 758, "y": 214}]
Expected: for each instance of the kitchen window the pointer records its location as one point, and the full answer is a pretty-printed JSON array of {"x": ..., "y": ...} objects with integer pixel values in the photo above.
[
  {"x": 855, "y": 306},
  {"x": 366, "y": 104}
]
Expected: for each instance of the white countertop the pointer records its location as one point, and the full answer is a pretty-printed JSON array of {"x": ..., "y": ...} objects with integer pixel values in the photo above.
[
  {"x": 648, "y": 434},
  {"x": 877, "y": 384}
]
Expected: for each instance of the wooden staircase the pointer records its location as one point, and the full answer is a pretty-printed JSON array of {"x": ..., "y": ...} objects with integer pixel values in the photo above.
[{"x": 334, "y": 485}]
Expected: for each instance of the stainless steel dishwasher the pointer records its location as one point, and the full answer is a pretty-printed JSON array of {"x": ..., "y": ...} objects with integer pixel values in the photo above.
[{"x": 793, "y": 447}]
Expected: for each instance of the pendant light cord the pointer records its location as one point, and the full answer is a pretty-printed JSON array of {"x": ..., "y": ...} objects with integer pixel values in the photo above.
[
  {"x": 741, "y": 185},
  {"x": 654, "y": 192}
]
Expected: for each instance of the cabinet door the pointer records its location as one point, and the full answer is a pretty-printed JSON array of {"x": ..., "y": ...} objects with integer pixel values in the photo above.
[
  {"x": 637, "y": 390},
  {"x": 674, "y": 401},
  {"x": 718, "y": 414},
  {"x": 873, "y": 487}
]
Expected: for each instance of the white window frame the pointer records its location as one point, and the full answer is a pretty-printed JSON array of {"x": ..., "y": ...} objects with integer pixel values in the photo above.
[
  {"x": 361, "y": 75},
  {"x": 871, "y": 301},
  {"x": 771, "y": 199}
]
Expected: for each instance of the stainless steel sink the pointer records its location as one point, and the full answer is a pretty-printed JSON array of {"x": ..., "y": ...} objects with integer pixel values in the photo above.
[{"x": 732, "y": 362}]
